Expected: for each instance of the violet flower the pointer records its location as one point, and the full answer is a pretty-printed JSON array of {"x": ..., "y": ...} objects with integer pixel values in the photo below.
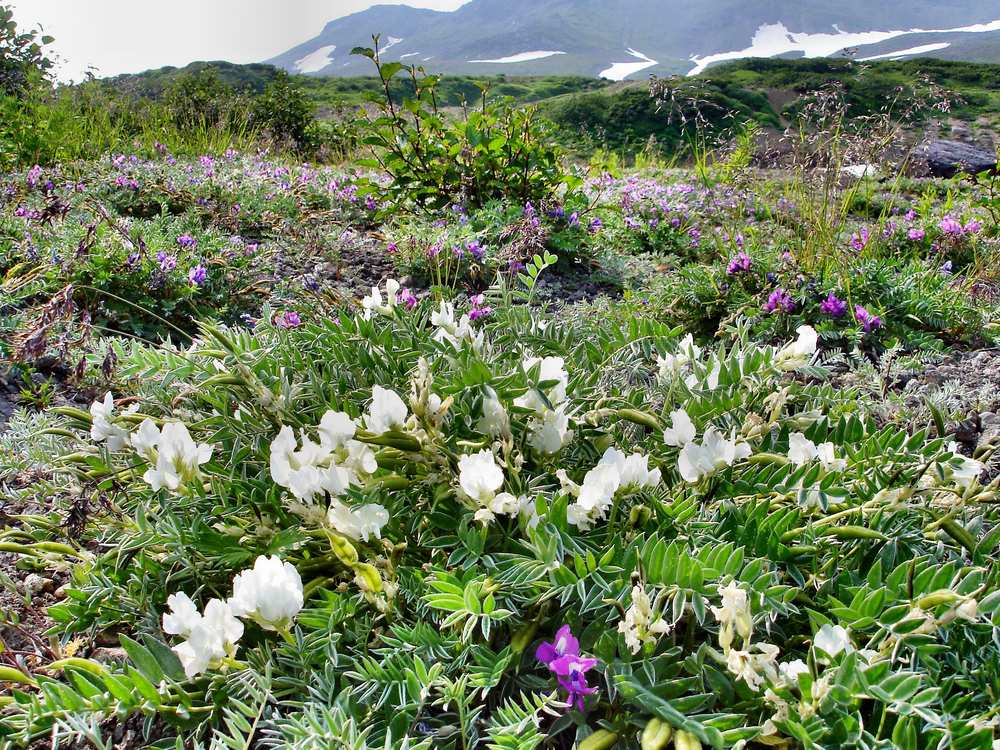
[
  {"x": 562, "y": 657},
  {"x": 833, "y": 306},
  {"x": 779, "y": 301},
  {"x": 739, "y": 264},
  {"x": 868, "y": 321},
  {"x": 197, "y": 275},
  {"x": 951, "y": 227},
  {"x": 916, "y": 234},
  {"x": 287, "y": 319},
  {"x": 186, "y": 240}
]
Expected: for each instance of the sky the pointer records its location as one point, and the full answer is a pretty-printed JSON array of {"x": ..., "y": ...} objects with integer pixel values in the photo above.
[{"x": 128, "y": 36}]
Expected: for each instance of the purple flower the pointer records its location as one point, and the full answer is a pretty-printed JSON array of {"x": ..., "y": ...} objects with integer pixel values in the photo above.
[
  {"x": 434, "y": 250},
  {"x": 951, "y": 227},
  {"x": 779, "y": 301},
  {"x": 197, "y": 275},
  {"x": 571, "y": 672},
  {"x": 287, "y": 319},
  {"x": 186, "y": 240},
  {"x": 916, "y": 234},
  {"x": 574, "y": 219},
  {"x": 595, "y": 225},
  {"x": 565, "y": 643},
  {"x": 476, "y": 249},
  {"x": 405, "y": 296},
  {"x": 946, "y": 268},
  {"x": 739, "y": 264},
  {"x": 860, "y": 239},
  {"x": 972, "y": 227},
  {"x": 132, "y": 260},
  {"x": 167, "y": 262},
  {"x": 868, "y": 321},
  {"x": 833, "y": 306},
  {"x": 391, "y": 248}
]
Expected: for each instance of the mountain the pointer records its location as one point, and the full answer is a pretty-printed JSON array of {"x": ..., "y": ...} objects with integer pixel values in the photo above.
[{"x": 633, "y": 38}]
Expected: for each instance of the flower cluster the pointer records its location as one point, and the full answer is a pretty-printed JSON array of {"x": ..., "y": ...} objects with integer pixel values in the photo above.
[
  {"x": 270, "y": 594},
  {"x": 562, "y": 657}
]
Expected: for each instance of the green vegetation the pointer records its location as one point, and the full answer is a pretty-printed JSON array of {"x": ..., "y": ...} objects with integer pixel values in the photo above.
[{"x": 469, "y": 446}]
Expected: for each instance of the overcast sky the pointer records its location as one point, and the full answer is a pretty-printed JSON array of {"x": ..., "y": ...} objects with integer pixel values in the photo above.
[{"x": 127, "y": 36}]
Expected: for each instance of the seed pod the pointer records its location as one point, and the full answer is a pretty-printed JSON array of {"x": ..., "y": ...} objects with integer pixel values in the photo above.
[
  {"x": 656, "y": 735},
  {"x": 9, "y": 674},
  {"x": 936, "y": 598},
  {"x": 686, "y": 741},
  {"x": 602, "y": 739},
  {"x": 368, "y": 578},
  {"x": 853, "y": 532},
  {"x": 640, "y": 418},
  {"x": 343, "y": 549}
]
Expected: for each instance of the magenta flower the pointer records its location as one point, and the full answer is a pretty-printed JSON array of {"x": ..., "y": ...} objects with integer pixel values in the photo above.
[
  {"x": 565, "y": 643},
  {"x": 287, "y": 319},
  {"x": 779, "y": 301},
  {"x": 951, "y": 227},
  {"x": 972, "y": 227},
  {"x": 860, "y": 240},
  {"x": 571, "y": 672},
  {"x": 405, "y": 296},
  {"x": 868, "y": 321},
  {"x": 833, "y": 306},
  {"x": 916, "y": 234},
  {"x": 739, "y": 264},
  {"x": 197, "y": 275}
]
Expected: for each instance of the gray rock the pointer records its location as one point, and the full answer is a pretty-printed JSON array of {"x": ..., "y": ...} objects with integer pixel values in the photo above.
[{"x": 948, "y": 158}]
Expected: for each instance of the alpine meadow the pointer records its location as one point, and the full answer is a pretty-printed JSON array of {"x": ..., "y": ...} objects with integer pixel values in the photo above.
[{"x": 600, "y": 375}]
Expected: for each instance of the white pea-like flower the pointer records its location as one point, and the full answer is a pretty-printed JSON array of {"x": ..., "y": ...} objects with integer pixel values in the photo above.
[
  {"x": 715, "y": 452},
  {"x": 832, "y": 639},
  {"x": 146, "y": 439},
  {"x": 800, "y": 352},
  {"x": 682, "y": 430},
  {"x": 178, "y": 458},
  {"x": 270, "y": 593},
  {"x": 386, "y": 412},
  {"x": 358, "y": 523},
  {"x": 211, "y": 636},
  {"x": 102, "y": 429}
]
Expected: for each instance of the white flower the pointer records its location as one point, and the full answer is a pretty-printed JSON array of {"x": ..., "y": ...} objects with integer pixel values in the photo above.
[
  {"x": 826, "y": 456},
  {"x": 335, "y": 429},
  {"x": 358, "y": 523},
  {"x": 734, "y": 615},
  {"x": 670, "y": 365},
  {"x": 633, "y": 471},
  {"x": 968, "y": 471},
  {"x": 639, "y": 625},
  {"x": 799, "y": 352},
  {"x": 683, "y": 430},
  {"x": 101, "y": 427},
  {"x": 210, "y": 637},
  {"x": 504, "y": 504},
  {"x": 183, "y": 617},
  {"x": 373, "y": 302},
  {"x": 454, "y": 333},
  {"x": 270, "y": 593},
  {"x": 754, "y": 664},
  {"x": 494, "y": 421},
  {"x": 145, "y": 439},
  {"x": 790, "y": 671},
  {"x": 549, "y": 432},
  {"x": 801, "y": 450},
  {"x": 479, "y": 476},
  {"x": 832, "y": 639},
  {"x": 386, "y": 412},
  {"x": 298, "y": 470},
  {"x": 549, "y": 369},
  {"x": 697, "y": 461},
  {"x": 599, "y": 487},
  {"x": 178, "y": 458}
]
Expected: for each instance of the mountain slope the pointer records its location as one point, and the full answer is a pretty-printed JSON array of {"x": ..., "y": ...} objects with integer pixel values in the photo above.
[{"x": 633, "y": 38}]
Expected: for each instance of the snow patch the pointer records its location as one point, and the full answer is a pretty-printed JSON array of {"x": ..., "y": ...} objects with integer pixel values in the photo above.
[
  {"x": 772, "y": 39},
  {"x": 921, "y": 50},
  {"x": 317, "y": 60},
  {"x": 408, "y": 54},
  {"x": 522, "y": 56},
  {"x": 391, "y": 41},
  {"x": 619, "y": 71}
]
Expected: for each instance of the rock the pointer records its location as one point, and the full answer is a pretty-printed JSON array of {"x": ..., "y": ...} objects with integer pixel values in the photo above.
[
  {"x": 107, "y": 655},
  {"x": 34, "y": 584},
  {"x": 948, "y": 158}
]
